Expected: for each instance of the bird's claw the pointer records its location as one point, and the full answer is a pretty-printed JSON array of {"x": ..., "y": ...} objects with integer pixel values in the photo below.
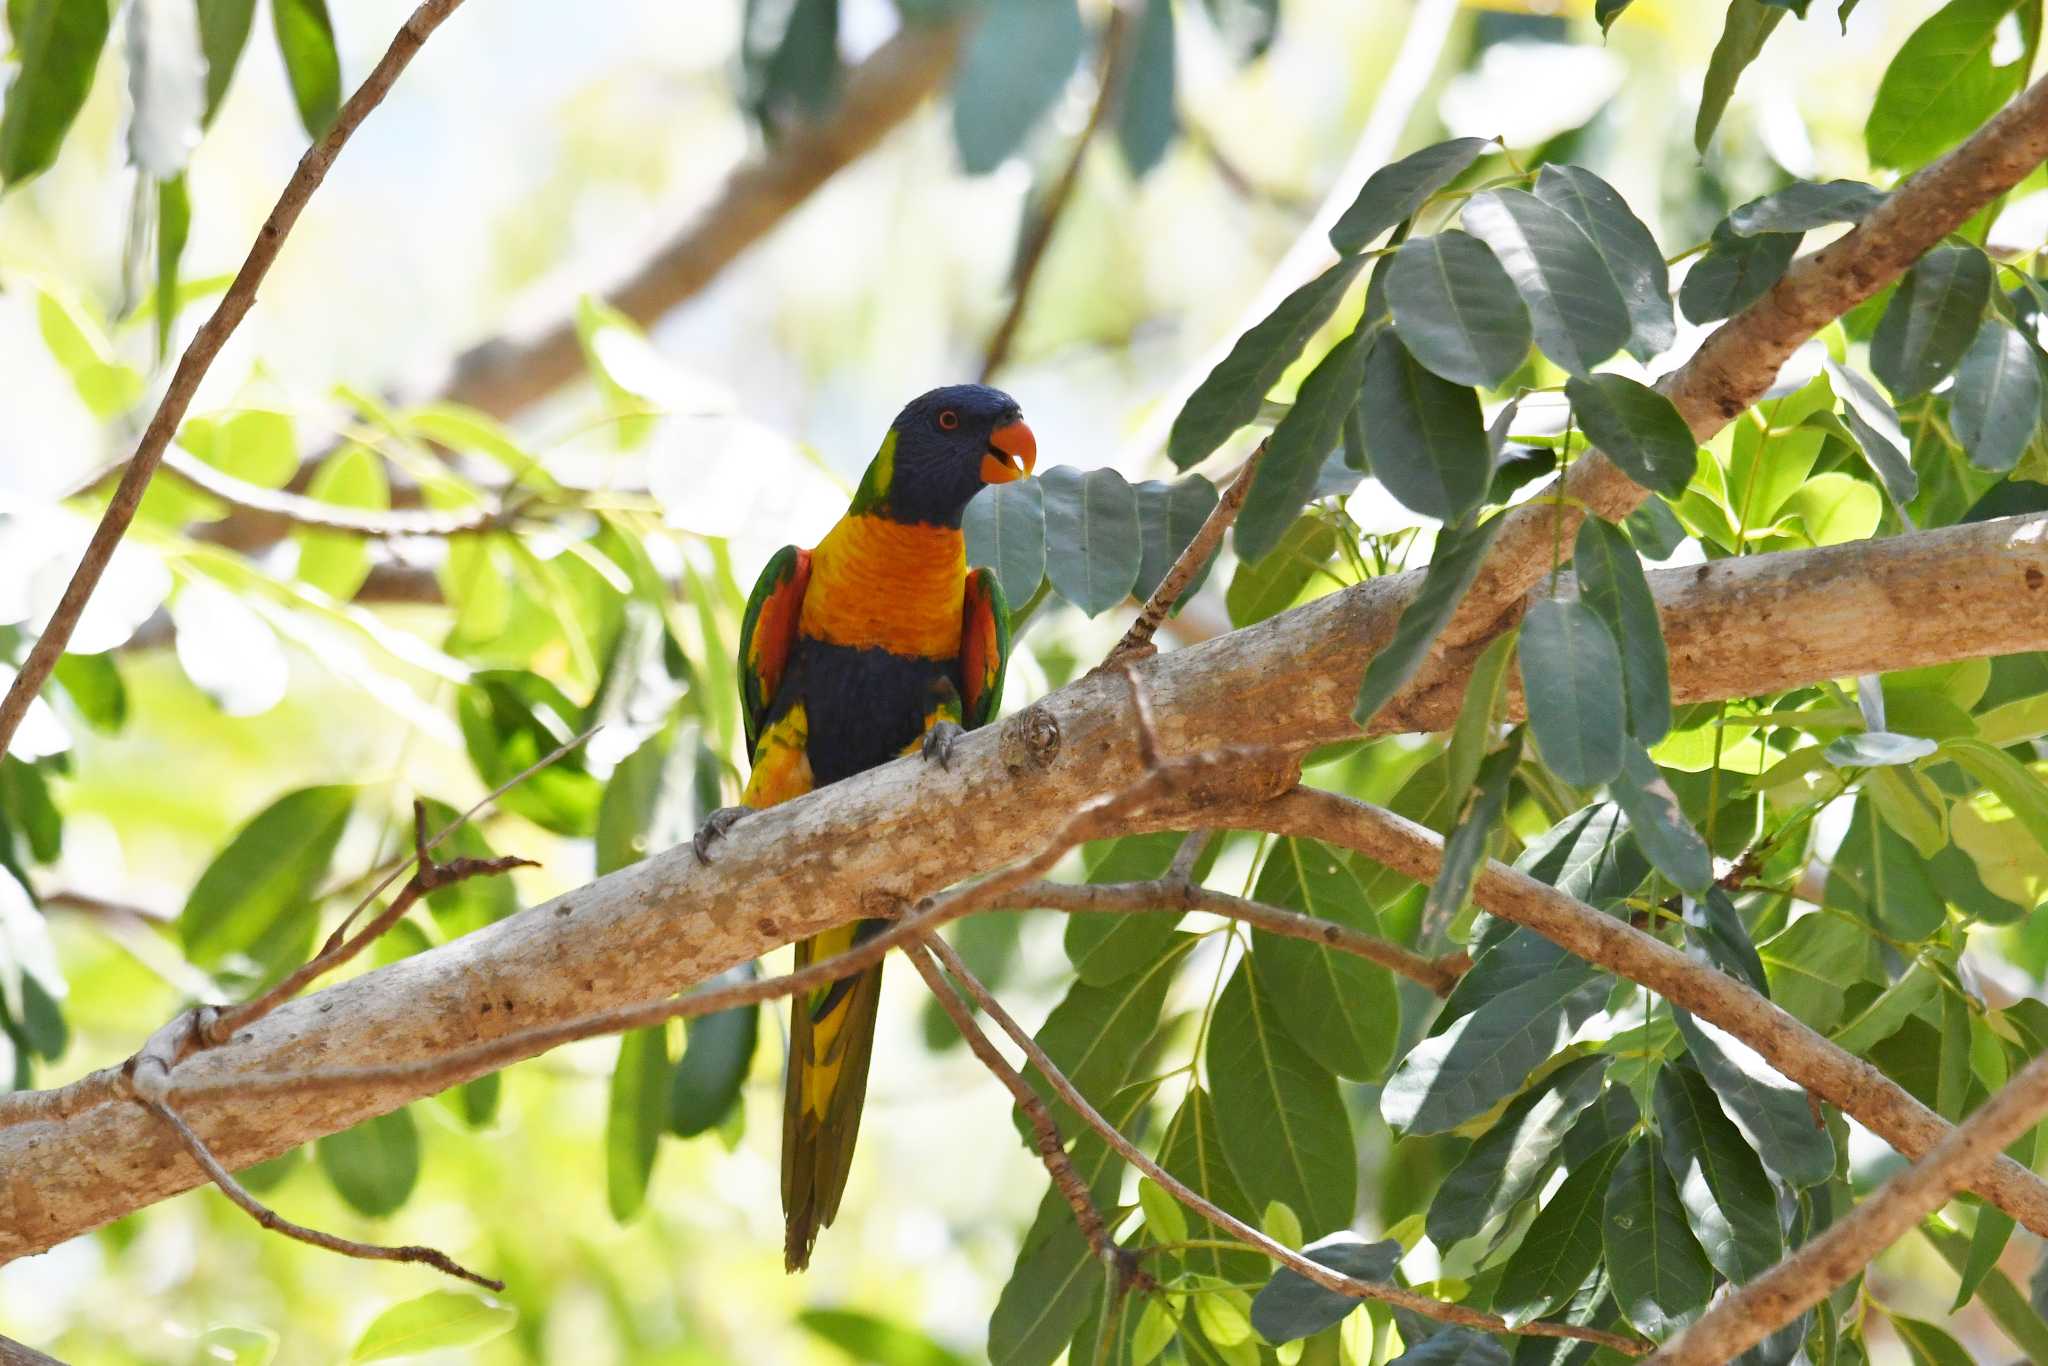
[
  {"x": 939, "y": 742},
  {"x": 714, "y": 828}
]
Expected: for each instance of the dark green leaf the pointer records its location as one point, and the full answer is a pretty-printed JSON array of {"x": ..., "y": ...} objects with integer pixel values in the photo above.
[
  {"x": 2019, "y": 1320},
  {"x": 1096, "y": 1035},
  {"x": 1714, "y": 930},
  {"x": 1286, "y": 476},
  {"x": 635, "y": 1118},
  {"x": 1987, "y": 1244},
  {"x": 1941, "y": 85},
  {"x": 1879, "y": 876},
  {"x": 1510, "y": 1161},
  {"x": 1812, "y": 962},
  {"x": 1278, "y": 1114},
  {"x": 1264, "y": 587},
  {"x": 259, "y": 896},
  {"x": 1736, "y": 271},
  {"x": 1625, "y": 245},
  {"x": 374, "y": 1165},
  {"x": 1291, "y": 1306},
  {"x": 1504, "y": 962},
  {"x": 57, "y": 43},
  {"x": 1931, "y": 320},
  {"x": 173, "y": 227},
  {"x": 1807, "y": 204},
  {"x": 1015, "y": 66},
  {"x": 1638, "y": 428},
  {"x": 717, "y": 1054},
  {"x": 1773, "y": 1113},
  {"x": 1049, "y": 1291},
  {"x": 1454, "y": 1347},
  {"x": 1230, "y": 395},
  {"x": 1728, "y": 1199},
  {"x": 511, "y": 719},
  {"x": 1341, "y": 1009},
  {"x": 1571, "y": 677},
  {"x": 1655, "y": 529},
  {"x": 1395, "y": 191},
  {"x": 476, "y": 1102},
  {"x": 1661, "y": 829},
  {"x": 1452, "y": 568},
  {"x": 305, "y": 38},
  {"x": 1145, "y": 121},
  {"x": 790, "y": 56},
  {"x": 875, "y": 1341},
  {"x": 1660, "y": 1276},
  {"x": 1605, "y": 12},
  {"x": 1875, "y": 427},
  {"x": 1169, "y": 515},
  {"x": 1748, "y": 24},
  {"x": 1424, "y": 435},
  {"x": 1927, "y": 1345},
  {"x": 1612, "y": 583},
  {"x": 1456, "y": 309},
  {"x": 1005, "y": 530},
  {"x": 93, "y": 683},
  {"x": 1577, "y": 309},
  {"x": 1590, "y": 854},
  {"x": 1465, "y": 850},
  {"x": 1995, "y": 407},
  {"x": 1092, "y": 545},
  {"x": 223, "y": 32},
  {"x": 1193, "y": 1153},
  {"x": 1109, "y": 948},
  {"x": 1562, "y": 1246},
  {"x": 1485, "y": 1056}
]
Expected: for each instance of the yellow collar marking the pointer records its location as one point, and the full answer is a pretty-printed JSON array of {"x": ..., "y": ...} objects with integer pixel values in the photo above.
[{"x": 887, "y": 585}]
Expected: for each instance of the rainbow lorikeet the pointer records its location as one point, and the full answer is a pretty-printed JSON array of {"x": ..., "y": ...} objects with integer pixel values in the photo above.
[{"x": 876, "y": 642}]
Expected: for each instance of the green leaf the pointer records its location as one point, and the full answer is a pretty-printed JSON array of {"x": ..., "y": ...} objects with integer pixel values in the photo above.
[
  {"x": 1605, "y": 12},
  {"x": 234, "y": 1345},
  {"x": 1510, "y": 1161},
  {"x": 1872, "y": 748},
  {"x": 440, "y": 1321},
  {"x": 1661, "y": 829},
  {"x": 1728, "y": 1200},
  {"x": 1812, "y": 962},
  {"x": 1714, "y": 928},
  {"x": 717, "y": 1055},
  {"x": 1097, "y": 1035},
  {"x": 1229, "y": 396},
  {"x": 1931, "y": 320},
  {"x": 1395, "y": 191},
  {"x": 1465, "y": 849},
  {"x": 79, "y": 344},
  {"x": 93, "y": 683},
  {"x": 1875, "y": 426},
  {"x": 1169, "y": 515},
  {"x": 1193, "y": 1153},
  {"x": 255, "y": 445},
  {"x": 1927, "y": 1345},
  {"x": 1092, "y": 544},
  {"x": 1941, "y": 85},
  {"x": 1264, "y": 587},
  {"x": 1638, "y": 428},
  {"x": 1748, "y": 24},
  {"x": 1807, "y": 204},
  {"x": 305, "y": 38},
  {"x": 1108, "y": 948},
  {"x": 1164, "y": 1218},
  {"x": 1877, "y": 875},
  {"x": 1424, "y": 434},
  {"x": 1456, "y": 1347},
  {"x": 57, "y": 43},
  {"x": 374, "y": 1165},
  {"x": 1473, "y": 733},
  {"x": 1459, "y": 552},
  {"x": 1736, "y": 271},
  {"x": 1341, "y": 1009},
  {"x": 1660, "y": 1276},
  {"x": 223, "y": 32},
  {"x": 1571, "y": 678},
  {"x": 1772, "y": 1113},
  {"x": 1562, "y": 1246},
  {"x": 1286, "y": 476},
  {"x": 1456, "y": 308},
  {"x": 1278, "y": 1114},
  {"x": 173, "y": 227},
  {"x": 1016, "y": 63},
  {"x": 1612, "y": 583},
  {"x": 1291, "y": 1306},
  {"x": 635, "y": 1118},
  {"x": 1005, "y": 530},
  {"x": 511, "y": 719},
  {"x": 1995, "y": 407},
  {"x": 791, "y": 66},
  {"x": 1145, "y": 119},
  {"x": 875, "y": 1341},
  {"x": 653, "y": 799},
  {"x": 1590, "y": 854},
  {"x": 1625, "y": 245},
  {"x": 1836, "y": 507},
  {"x": 2023, "y": 793},
  {"x": 1484, "y": 1056},
  {"x": 2000, "y": 1297},
  {"x": 258, "y": 897},
  {"x": 334, "y": 562},
  {"x": 1579, "y": 314}
]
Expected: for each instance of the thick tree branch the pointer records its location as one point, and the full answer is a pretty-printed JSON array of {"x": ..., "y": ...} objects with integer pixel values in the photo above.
[
  {"x": 1821, "y": 1066},
  {"x": 199, "y": 356},
  {"x": 1804, "y": 1278}
]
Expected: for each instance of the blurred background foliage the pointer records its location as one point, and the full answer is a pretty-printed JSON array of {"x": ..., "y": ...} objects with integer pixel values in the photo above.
[{"x": 246, "y": 716}]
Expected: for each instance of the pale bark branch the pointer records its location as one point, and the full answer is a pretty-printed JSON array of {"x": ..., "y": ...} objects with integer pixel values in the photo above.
[
  {"x": 296, "y": 511},
  {"x": 199, "y": 356},
  {"x": 1750, "y": 1314}
]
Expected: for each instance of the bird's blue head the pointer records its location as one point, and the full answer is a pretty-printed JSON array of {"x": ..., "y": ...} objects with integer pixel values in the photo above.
[{"x": 942, "y": 449}]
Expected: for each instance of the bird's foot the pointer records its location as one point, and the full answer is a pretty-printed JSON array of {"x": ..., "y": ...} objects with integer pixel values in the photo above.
[
  {"x": 940, "y": 740},
  {"x": 714, "y": 828}
]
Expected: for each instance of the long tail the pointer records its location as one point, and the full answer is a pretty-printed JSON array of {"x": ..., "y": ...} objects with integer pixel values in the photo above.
[{"x": 831, "y": 1037}]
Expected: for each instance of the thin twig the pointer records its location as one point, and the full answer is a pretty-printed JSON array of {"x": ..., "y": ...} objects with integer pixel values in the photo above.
[
  {"x": 1137, "y": 641},
  {"x": 277, "y": 1223},
  {"x": 1050, "y": 1147},
  {"x": 1294, "y": 1261},
  {"x": 1031, "y": 253},
  {"x": 1804, "y": 1278},
  {"x": 199, "y": 357}
]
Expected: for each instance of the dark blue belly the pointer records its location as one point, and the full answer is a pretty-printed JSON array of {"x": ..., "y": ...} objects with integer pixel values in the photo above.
[{"x": 863, "y": 705}]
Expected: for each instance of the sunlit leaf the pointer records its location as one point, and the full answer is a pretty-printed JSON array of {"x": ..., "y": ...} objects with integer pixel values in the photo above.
[
  {"x": 1995, "y": 407},
  {"x": 1748, "y": 24},
  {"x": 875, "y": 1341},
  {"x": 258, "y": 898},
  {"x": 57, "y": 43},
  {"x": 1485, "y": 1056},
  {"x": 1728, "y": 1200},
  {"x": 375, "y": 1165},
  {"x": 439, "y": 1321},
  {"x": 1510, "y": 1161},
  {"x": 1941, "y": 85},
  {"x": 1876, "y": 874},
  {"x": 305, "y": 38},
  {"x": 337, "y": 562},
  {"x": 635, "y": 1118},
  {"x": 1625, "y": 245},
  {"x": 223, "y": 32},
  {"x": 1772, "y": 1112}
]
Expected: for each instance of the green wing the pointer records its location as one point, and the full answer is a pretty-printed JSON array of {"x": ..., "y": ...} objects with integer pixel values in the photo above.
[{"x": 768, "y": 632}]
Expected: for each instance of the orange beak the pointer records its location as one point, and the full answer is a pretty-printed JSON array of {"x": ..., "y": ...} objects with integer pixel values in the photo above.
[{"x": 1012, "y": 454}]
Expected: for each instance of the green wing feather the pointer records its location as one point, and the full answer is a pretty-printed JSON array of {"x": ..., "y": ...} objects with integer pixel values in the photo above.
[
  {"x": 768, "y": 632},
  {"x": 984, "y": 648}
]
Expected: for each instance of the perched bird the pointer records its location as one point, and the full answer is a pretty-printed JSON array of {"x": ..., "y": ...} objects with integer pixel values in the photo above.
[{"x": 876, "y": 642}]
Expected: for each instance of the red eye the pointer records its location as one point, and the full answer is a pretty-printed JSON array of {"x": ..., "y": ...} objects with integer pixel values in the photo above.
[{"x": 948, "y": 420}]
